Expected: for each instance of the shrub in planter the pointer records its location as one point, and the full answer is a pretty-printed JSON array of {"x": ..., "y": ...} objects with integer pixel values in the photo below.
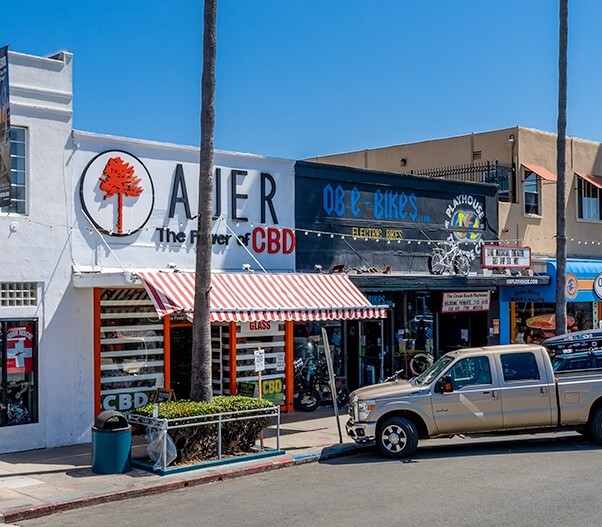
[{"x": 199, "y": 443}]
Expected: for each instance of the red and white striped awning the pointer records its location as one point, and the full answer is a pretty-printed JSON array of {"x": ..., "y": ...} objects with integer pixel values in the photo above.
[{"x": 237, "y": 297}]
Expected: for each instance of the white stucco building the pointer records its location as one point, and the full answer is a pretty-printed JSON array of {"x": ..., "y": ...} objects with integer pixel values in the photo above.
[
  {"x": 56, "y": 250},
  {"x": 97, "y": 248}
]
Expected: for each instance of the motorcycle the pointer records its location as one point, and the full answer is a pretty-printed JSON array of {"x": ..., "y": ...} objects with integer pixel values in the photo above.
[{"x": 312, "y": 385}]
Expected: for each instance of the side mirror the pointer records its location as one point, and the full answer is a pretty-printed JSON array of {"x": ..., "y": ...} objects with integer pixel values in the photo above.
[{"x": 444, "y": 384}]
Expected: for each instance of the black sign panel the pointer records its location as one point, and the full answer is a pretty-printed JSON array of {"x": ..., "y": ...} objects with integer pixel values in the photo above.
[
  {"x": 4, "y": 130},
  {"x": 372, "y": 220}
]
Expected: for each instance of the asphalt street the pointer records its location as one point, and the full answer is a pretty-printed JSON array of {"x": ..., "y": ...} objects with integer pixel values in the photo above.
[{"x": 533, "y": 481}]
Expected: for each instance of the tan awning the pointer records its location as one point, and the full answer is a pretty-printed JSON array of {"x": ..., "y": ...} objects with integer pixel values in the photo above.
[
  {"x": 596, "y": 181},
  {"x": 542, "y": 172}
]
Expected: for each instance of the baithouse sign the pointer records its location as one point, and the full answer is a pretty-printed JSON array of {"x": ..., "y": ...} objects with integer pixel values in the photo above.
[{"x": 145, "y": 200}]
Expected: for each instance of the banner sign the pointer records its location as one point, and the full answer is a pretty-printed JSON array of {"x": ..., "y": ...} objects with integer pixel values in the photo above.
[
  {"x": 4, "y": 130},
  {"x": 345, "y": 218},
  {"x": 467, "y": 301},
  {"x": 19, "y": 349},
  {"x": 498, "y": 257},
  {"x": 272, "y": 389}
]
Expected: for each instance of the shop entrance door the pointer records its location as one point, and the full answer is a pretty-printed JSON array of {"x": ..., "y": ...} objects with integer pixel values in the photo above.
[
  {"x": 181, "y": 360},
  {"x": 462, "y": 330},
  {"x": 371, "y": 352}
]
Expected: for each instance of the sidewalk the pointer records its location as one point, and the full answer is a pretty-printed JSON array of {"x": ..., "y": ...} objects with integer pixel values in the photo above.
[{"x": 41, "y": 482}]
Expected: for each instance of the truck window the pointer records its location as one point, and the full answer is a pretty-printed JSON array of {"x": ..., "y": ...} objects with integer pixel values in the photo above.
[
  {"x": 519, "y": 367},
  {"x": 576, "y": 361},
  {"x": 471, "y": 370}
]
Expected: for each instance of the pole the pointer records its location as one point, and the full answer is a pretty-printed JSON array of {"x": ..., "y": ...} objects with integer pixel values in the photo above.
[
  {"x": 333, "y": 388},
  {"x": 260, "y": 393}
]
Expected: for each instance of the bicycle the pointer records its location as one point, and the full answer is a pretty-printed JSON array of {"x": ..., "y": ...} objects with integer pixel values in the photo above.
[{"x": 448, "y": 258}]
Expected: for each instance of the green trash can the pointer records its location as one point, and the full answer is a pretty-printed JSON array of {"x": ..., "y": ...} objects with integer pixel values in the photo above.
[{"x": 111, "y": 444}]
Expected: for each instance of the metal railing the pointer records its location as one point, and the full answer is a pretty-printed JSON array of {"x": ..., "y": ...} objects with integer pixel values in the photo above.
[
  {"x": 494, "y": 172},
  {"x": 164, "y": 425}
]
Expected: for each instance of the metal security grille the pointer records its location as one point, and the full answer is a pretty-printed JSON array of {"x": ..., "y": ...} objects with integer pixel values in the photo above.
[
  {"x": 484, "y": 172},
  {"x": 18, "y": 294},
  {"x": 131, "y": 349}
]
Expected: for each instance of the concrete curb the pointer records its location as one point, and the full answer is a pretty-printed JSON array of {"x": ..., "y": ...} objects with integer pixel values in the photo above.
[{"x": 182, "y": 482}]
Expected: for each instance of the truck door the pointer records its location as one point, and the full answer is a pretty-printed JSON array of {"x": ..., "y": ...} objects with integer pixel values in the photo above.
[
  {"x": 525, "y": 391},
  {"x": 474, "y": 404}
]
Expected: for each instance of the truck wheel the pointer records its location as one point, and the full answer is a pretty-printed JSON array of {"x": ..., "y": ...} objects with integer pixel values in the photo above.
[
  {"x": 595, "y": 426},
  {"x": 397, "y": 438}
]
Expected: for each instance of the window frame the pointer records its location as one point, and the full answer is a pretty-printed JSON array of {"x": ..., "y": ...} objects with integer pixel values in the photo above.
[
  {"x": 526, "y": 174},
  {"x": 470, "y": 382},
  {"x": 503, "y": 357},
  {"x": 4, "y": 381},
  {"x": 580, "y": 187},
  {"x": 11, "y": 209}
]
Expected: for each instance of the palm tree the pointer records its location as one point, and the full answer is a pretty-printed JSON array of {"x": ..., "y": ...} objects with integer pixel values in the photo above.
[
  {"x": 561, "y": 171},
  {"x": 200, "y": 378}
]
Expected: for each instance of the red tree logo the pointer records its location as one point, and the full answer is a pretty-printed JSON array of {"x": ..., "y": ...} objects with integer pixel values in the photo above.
[{"x": 118, "y": 178}]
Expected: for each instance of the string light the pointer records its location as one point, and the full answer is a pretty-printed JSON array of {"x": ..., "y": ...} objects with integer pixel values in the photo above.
[{"x": 500, "y": 242}]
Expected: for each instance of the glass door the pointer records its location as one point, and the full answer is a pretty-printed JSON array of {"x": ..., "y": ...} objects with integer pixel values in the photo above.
[{"x": 371, "y": 352}]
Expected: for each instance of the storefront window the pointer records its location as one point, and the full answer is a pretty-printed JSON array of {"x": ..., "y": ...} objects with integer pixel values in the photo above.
[
  {"x": 535, "y": 322},
  {"x": 268, "y": 336},
  {"x": 131, "y": 349},
  {"x": 414, "y": 330},
  {"x": 18, "y": 372},
  {"x": 309, "y": 345}
]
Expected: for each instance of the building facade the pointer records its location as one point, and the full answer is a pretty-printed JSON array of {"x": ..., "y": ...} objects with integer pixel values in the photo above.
[
  {"x": 97, "y": 282},
  {"x": 383, "y": 229},
  {"x": 522, "y": 162}
]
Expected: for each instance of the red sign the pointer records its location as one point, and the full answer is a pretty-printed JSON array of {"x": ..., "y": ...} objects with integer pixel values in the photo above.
[{"x": 19, "y": 347}]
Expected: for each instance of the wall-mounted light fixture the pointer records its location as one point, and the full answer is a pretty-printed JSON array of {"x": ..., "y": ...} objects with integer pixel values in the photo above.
[{"x": 403, "y": 162}]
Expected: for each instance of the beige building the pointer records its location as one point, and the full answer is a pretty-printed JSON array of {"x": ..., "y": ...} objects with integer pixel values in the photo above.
[{"x": 523, "y": 162}]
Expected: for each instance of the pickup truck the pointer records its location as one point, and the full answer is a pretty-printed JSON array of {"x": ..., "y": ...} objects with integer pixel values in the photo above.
[{"x": 477, "y": 390}]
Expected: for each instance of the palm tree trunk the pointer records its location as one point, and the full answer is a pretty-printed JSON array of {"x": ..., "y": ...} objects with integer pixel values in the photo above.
[
  {"x": 200, "y": 381},
  {"x": 561, "y": 252}
]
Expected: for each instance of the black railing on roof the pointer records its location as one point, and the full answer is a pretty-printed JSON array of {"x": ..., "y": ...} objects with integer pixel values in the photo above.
[{"x": 483, "y": 172}]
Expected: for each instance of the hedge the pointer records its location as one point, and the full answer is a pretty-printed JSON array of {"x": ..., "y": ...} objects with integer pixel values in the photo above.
[{"x": 199, "y": 443}]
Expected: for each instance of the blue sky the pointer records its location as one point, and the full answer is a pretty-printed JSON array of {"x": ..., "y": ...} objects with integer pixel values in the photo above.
[{"x": 297, "y": 78}]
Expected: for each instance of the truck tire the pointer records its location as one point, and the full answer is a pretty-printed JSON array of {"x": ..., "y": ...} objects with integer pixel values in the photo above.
[
  {"x": 397, "y": 438},
  {"x": 595, "y": 426}
]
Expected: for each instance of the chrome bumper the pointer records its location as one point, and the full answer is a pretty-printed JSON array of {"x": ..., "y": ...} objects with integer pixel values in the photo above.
[{"x": 361, "y": 432}]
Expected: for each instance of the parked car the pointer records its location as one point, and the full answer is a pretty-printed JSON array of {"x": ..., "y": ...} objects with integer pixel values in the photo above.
[
  {"x": 477, "y": 390},
  {"x": 581, "y": 350},
  {"x": 586, "y": 360}
]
